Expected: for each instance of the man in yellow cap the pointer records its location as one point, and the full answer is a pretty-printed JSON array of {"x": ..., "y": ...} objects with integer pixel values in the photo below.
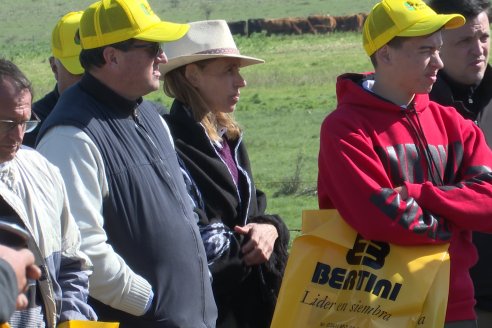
[
  {"x": 398, "y": 167},
  {"x": 124, "y": 182},
  {"x": 64, "y": 64}
]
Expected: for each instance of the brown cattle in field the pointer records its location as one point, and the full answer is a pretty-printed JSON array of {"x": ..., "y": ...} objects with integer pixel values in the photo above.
[
  {"x": 288, "y": 26},
  {"x": 363, "y": 16},
  {"x": 238, "y": 27},
  {"x": 255, "y": 25},
  {"x": 350, "y": 23},
  {"x": 304, "y": 25},
  {"x": 323, "y": 23}
]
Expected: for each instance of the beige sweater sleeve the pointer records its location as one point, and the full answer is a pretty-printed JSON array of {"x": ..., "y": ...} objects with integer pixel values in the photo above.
[{"x": 113, "y": 282}]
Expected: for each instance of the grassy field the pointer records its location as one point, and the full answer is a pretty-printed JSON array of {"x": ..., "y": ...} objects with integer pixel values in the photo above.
[
  {"x": 281, "y": 109},
  {"x": 28, "y": 21}
]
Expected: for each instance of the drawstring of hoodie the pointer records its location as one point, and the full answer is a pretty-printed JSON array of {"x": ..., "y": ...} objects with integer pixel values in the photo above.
[{"x": 423, "y": 145}]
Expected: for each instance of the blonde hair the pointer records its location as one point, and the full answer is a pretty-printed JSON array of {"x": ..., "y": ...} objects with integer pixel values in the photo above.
[{"x": 177, "y": 86}]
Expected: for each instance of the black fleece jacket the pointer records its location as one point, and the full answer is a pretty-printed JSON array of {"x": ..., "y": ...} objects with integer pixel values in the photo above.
[
  {"x": 245, "y": 296},
  {"x": 475, "y": 103}
]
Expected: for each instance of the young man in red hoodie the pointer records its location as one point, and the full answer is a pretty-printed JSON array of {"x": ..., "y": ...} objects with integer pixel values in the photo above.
[{"x": 398, "y": 167}]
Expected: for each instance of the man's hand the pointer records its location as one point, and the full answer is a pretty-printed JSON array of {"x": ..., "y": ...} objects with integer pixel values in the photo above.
[
  {"x": 402, "y": 190},
  {"x": 22, "y": 262},
  {"x": 259, "y": 247}
]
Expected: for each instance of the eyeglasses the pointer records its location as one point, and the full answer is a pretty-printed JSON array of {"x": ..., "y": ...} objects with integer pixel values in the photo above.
[
  {"x": 153, "y": 48},
  {"x": 26, "y": 126}
]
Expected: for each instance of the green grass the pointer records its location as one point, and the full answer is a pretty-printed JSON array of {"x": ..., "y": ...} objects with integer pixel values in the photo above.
[
  {"x": 282, "y": 107},
  {"x": 284, "y": 104},
  {"x": 28, "y": 21}
]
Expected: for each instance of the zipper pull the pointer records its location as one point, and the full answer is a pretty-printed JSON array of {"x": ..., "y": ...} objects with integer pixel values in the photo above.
[{"x": 135, "y": 115}]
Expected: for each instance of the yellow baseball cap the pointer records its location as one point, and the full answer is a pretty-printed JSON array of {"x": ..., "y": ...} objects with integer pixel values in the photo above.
[
  {"x": 110, "y": 21},
  {"x": 390, "y": 18},
  {"x": 64, "y": 45}
]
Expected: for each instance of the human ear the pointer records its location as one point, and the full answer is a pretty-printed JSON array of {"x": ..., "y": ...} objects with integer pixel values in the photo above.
[
  {"x": 110, "y": 55},
  {"x": 383, "y": 54},
  {"x": 192, "y": 74}
]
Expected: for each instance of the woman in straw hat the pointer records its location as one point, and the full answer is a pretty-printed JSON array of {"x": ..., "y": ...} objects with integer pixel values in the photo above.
[{"x": 246, "y": 248}]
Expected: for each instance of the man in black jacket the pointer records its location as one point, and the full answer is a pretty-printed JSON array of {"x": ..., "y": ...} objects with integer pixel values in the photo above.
[
  {"x": 124, "y": 182},
  {"x": 466, "y": 84}
]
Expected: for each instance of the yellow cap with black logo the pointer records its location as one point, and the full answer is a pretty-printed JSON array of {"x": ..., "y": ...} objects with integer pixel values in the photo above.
[{"x": 408, "y": 18}]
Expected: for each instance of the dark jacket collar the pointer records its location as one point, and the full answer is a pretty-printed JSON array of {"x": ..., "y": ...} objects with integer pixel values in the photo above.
[
  {"x": 460, "y": 92},
  {"x": 469, "y": 100},
  {"x": 483, "y": 93},
  {"x": 178, "y": 109},
  {"x": 107, "y": 96}
]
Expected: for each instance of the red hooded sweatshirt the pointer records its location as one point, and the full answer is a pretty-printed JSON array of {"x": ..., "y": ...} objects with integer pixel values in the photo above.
[{"x": 369, "y": 146}]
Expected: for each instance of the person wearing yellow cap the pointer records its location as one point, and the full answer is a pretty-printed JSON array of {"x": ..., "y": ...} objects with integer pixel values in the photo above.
[
  {"x": 398, "y": 167},
  {"x": 65, "y": 65},
  {"x": 124, "y": 182}
]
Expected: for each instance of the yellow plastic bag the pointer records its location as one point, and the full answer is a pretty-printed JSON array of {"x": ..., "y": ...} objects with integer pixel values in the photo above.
[
  {"x": 336, "y": 279},
  {"x": 88, "y": 324}
]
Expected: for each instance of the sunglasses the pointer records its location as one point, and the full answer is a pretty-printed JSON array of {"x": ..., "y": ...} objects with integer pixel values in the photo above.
[
  {"x": 26, "y": 126},
  {"x": 153, "y": 48}
]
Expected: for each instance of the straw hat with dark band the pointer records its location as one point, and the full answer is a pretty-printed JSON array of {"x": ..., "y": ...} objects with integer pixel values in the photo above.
[{"x": 204, "y": 40}]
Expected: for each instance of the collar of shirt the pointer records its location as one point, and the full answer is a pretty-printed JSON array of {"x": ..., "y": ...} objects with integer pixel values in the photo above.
[{"x": 108, "y": 97}]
